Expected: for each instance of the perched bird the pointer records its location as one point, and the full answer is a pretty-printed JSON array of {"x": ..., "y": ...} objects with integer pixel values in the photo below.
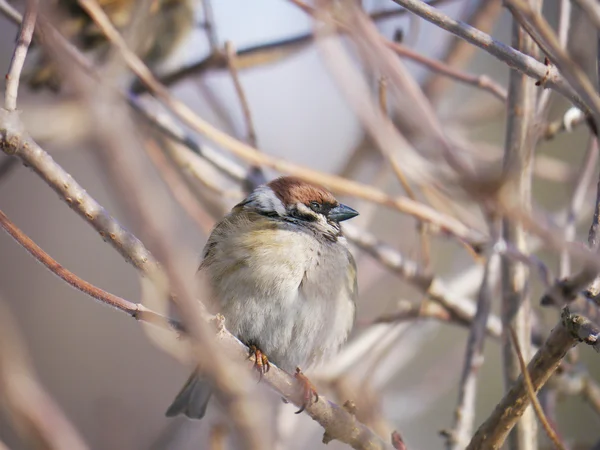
[
  {"x": 165, "y": 25},
  {"x": 279, "y": 270}
]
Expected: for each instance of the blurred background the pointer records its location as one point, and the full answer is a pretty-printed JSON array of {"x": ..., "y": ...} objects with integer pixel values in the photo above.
[{"x": 99, "y": 365}]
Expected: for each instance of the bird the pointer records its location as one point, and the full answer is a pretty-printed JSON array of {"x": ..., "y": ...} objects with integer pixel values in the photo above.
[
  {"x": 278, "y": 268},
  {"x": 166, "y": 24}
]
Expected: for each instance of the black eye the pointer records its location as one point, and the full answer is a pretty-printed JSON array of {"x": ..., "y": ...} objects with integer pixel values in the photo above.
[{"x": 315, "y": 206}]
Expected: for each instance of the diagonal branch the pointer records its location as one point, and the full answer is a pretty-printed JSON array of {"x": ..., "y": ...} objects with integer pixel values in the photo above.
[
  {"x": 513, "y": 58},
  {"x": 493, "y": 432}
]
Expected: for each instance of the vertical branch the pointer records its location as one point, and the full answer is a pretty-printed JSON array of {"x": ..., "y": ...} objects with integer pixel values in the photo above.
[
  {"x": 464, "y": 415},
  {"x": 233, "y": 70},
  {"x": 518, "y": 158},
  {"x": 18, "y": 58}
]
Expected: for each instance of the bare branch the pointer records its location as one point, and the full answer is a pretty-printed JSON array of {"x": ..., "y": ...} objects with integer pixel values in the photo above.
[
  {"x": 233, "y": 70},
  {"x": 18, "y": 59},
  {"x": 459, "y": 51},
  {"x": 532, "y": 395},
  {"x": 518, "y": 164},
  {"x": 464, "y": 415},
  {"x": 479, "y": 81},
  {"x": 493, "y": 432},
  {"x": 542, "y": 32},
  {"x": 513, "y": 58}
]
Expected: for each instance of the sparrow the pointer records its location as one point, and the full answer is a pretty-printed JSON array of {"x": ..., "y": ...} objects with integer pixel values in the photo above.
[
  {"x": 167, "y": 23},
  {"x": 279, "y": 270}
]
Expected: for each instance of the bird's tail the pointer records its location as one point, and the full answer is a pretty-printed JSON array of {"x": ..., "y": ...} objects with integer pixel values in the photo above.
[{"x": 192, "y": 399}]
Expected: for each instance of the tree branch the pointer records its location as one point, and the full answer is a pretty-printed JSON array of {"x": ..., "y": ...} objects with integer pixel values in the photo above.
[{"x": 493, "y": 432}]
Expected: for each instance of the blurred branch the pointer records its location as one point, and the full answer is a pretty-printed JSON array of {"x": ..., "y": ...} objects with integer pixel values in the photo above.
[
  {"x": 513, "y": 58},
  {"x": 493, "y": 432},
  {"x": 18, "y": 59},
  {"x": 519, "y": 148},
  {"x": 174, "y": 181},
  {"x": 10, "y": 12},
  {"x": 592, "y": 10},
  {"x": 209, "y": 25},
  {"x": 35, "y": 415},
  {"x": 255, "y": 56},
  {"x": 542, "y": 33},
  {"x": 464, "y": 415},
  {"x": 479, "y": 81},
  {"x": 582, "y": 184},
  {"x": 232, "y": 64},
  {"x": 458, "y": 53},
  {"x": 532, "y": 395}
]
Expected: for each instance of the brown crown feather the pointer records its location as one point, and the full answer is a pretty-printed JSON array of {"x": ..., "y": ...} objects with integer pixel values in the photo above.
[{"x": 291, "y": 190}]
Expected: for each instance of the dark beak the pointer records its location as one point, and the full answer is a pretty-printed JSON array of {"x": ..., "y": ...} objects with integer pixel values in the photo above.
[{"x": 341, "y": 213}]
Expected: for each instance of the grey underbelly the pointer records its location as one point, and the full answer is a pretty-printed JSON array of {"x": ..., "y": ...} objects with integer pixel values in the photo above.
[{"x": 290, "y": 335}]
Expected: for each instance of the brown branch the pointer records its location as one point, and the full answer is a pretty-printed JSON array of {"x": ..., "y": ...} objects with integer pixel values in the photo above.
[
  {"x": 16, "y": 142},
  {"x": 513, "y": 58},
  {"x": 543, "y": 34},
  {"x": 459, "y": 52},
  {"x": 532, "y": 395},
  {"x": 233, "y": 70},
  {"x": 174, "y": 181},
  {"x": 135, "y": 310},
  {"x": 493, "y": 432},
  {"x": 518, "y": 164},
  {"x": 18, "y": 59},
  {"x": 464, "y": 415},
  {"x": 479, "y": 81}
]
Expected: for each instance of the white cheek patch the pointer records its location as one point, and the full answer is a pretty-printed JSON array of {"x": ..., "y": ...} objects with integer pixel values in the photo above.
[{"x": 264, "y": 199}]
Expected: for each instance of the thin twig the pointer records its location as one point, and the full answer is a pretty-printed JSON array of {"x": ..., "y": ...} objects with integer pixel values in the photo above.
[
  {"x": 583, "y": 181},
  {"x": 493, "y": 432},
  {"x": 209, "y": 25},
  {"x": 233, "y": 70},
  {"x": 479, "y": 81},
  {"x": 532, "y": 395},
  {"x": 459, "y": 52},
  {"x": 18, "y": 59},
  {"x": 464, "y": 415},
  {"x": 177, "y": 186},
  {"x": 399, "y": 172},
  {"x": 135, "y": 310},
  {"x": 513, "y": 58}
]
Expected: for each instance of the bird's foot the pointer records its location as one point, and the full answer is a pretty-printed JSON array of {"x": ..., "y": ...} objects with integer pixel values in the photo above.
[
  {"x": 309, "y": 391},
  {"x": 261, "y": 362}
]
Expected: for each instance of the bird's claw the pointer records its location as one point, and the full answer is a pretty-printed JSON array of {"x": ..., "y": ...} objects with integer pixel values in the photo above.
[
  {"x": 309, "y": 391},
  {"x": 261, "y": 362}
]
